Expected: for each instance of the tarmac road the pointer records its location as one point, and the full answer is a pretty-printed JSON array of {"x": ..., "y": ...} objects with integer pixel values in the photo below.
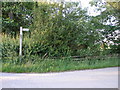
[{"x": 97, "y": 78}]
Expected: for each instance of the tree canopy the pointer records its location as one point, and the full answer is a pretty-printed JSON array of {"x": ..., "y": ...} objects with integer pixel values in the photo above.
[
  {"x": 16, "y": 14},
  {"x": 60, "y": 29}
]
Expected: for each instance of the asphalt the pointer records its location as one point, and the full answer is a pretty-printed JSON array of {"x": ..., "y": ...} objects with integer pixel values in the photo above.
[{"x": 96, "y": 78}]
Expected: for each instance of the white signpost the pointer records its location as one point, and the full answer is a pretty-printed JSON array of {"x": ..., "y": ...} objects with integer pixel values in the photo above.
[{"x": 21, "y": 36}]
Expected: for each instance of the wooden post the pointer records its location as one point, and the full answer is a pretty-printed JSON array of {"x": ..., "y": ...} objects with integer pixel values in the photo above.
[
  {"x": 20, "y": 52},
  {"x": 21, "y": 36}
]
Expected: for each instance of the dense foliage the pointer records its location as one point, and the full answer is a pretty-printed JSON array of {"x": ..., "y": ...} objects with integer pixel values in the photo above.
[
  {"x": 110, "y": 21},
  {"x": 56, "y": 30},
  {"x": 16, "y": 14},
  {"x": 63, "y": 31}
]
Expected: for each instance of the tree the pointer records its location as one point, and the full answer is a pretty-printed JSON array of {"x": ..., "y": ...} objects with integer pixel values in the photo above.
[
  {"x": 110, "y": 22},
  {"x": 16, "y": 14},
  {"x": 61, "y": 30},
  {"x": 116, "y": 8}
]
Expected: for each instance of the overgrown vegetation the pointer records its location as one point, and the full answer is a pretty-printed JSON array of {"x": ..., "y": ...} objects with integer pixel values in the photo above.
[
  {"x": 58, "y": 65},
  {"x": 59, "y": 34}
]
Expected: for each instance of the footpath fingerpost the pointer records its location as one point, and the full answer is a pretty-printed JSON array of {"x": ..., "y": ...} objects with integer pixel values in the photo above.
[{"x": 21, "y": 37}]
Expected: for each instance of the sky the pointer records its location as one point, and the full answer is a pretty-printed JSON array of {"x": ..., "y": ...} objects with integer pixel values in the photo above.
[{"x": 85, "y": 4}]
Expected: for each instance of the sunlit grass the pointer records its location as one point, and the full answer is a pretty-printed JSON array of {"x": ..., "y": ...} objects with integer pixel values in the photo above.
[{"x": 59, "y": 65}]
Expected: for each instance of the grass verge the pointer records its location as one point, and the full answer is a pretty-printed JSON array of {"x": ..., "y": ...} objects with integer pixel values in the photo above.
[{"x": 59, "y": 65}]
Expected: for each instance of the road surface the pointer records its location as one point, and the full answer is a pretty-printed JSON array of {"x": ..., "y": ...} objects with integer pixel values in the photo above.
[{"x": 97, "y": 78}]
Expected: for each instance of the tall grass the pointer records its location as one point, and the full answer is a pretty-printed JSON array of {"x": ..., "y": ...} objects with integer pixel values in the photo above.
[
  {"x": 33, "y": 60},
  {"x": 58, "y": 65}
]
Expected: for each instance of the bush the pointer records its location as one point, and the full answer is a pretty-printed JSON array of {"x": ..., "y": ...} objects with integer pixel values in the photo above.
[
  {"x": 55, "y": 35},
  {"x": 9, "y": 46}
]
